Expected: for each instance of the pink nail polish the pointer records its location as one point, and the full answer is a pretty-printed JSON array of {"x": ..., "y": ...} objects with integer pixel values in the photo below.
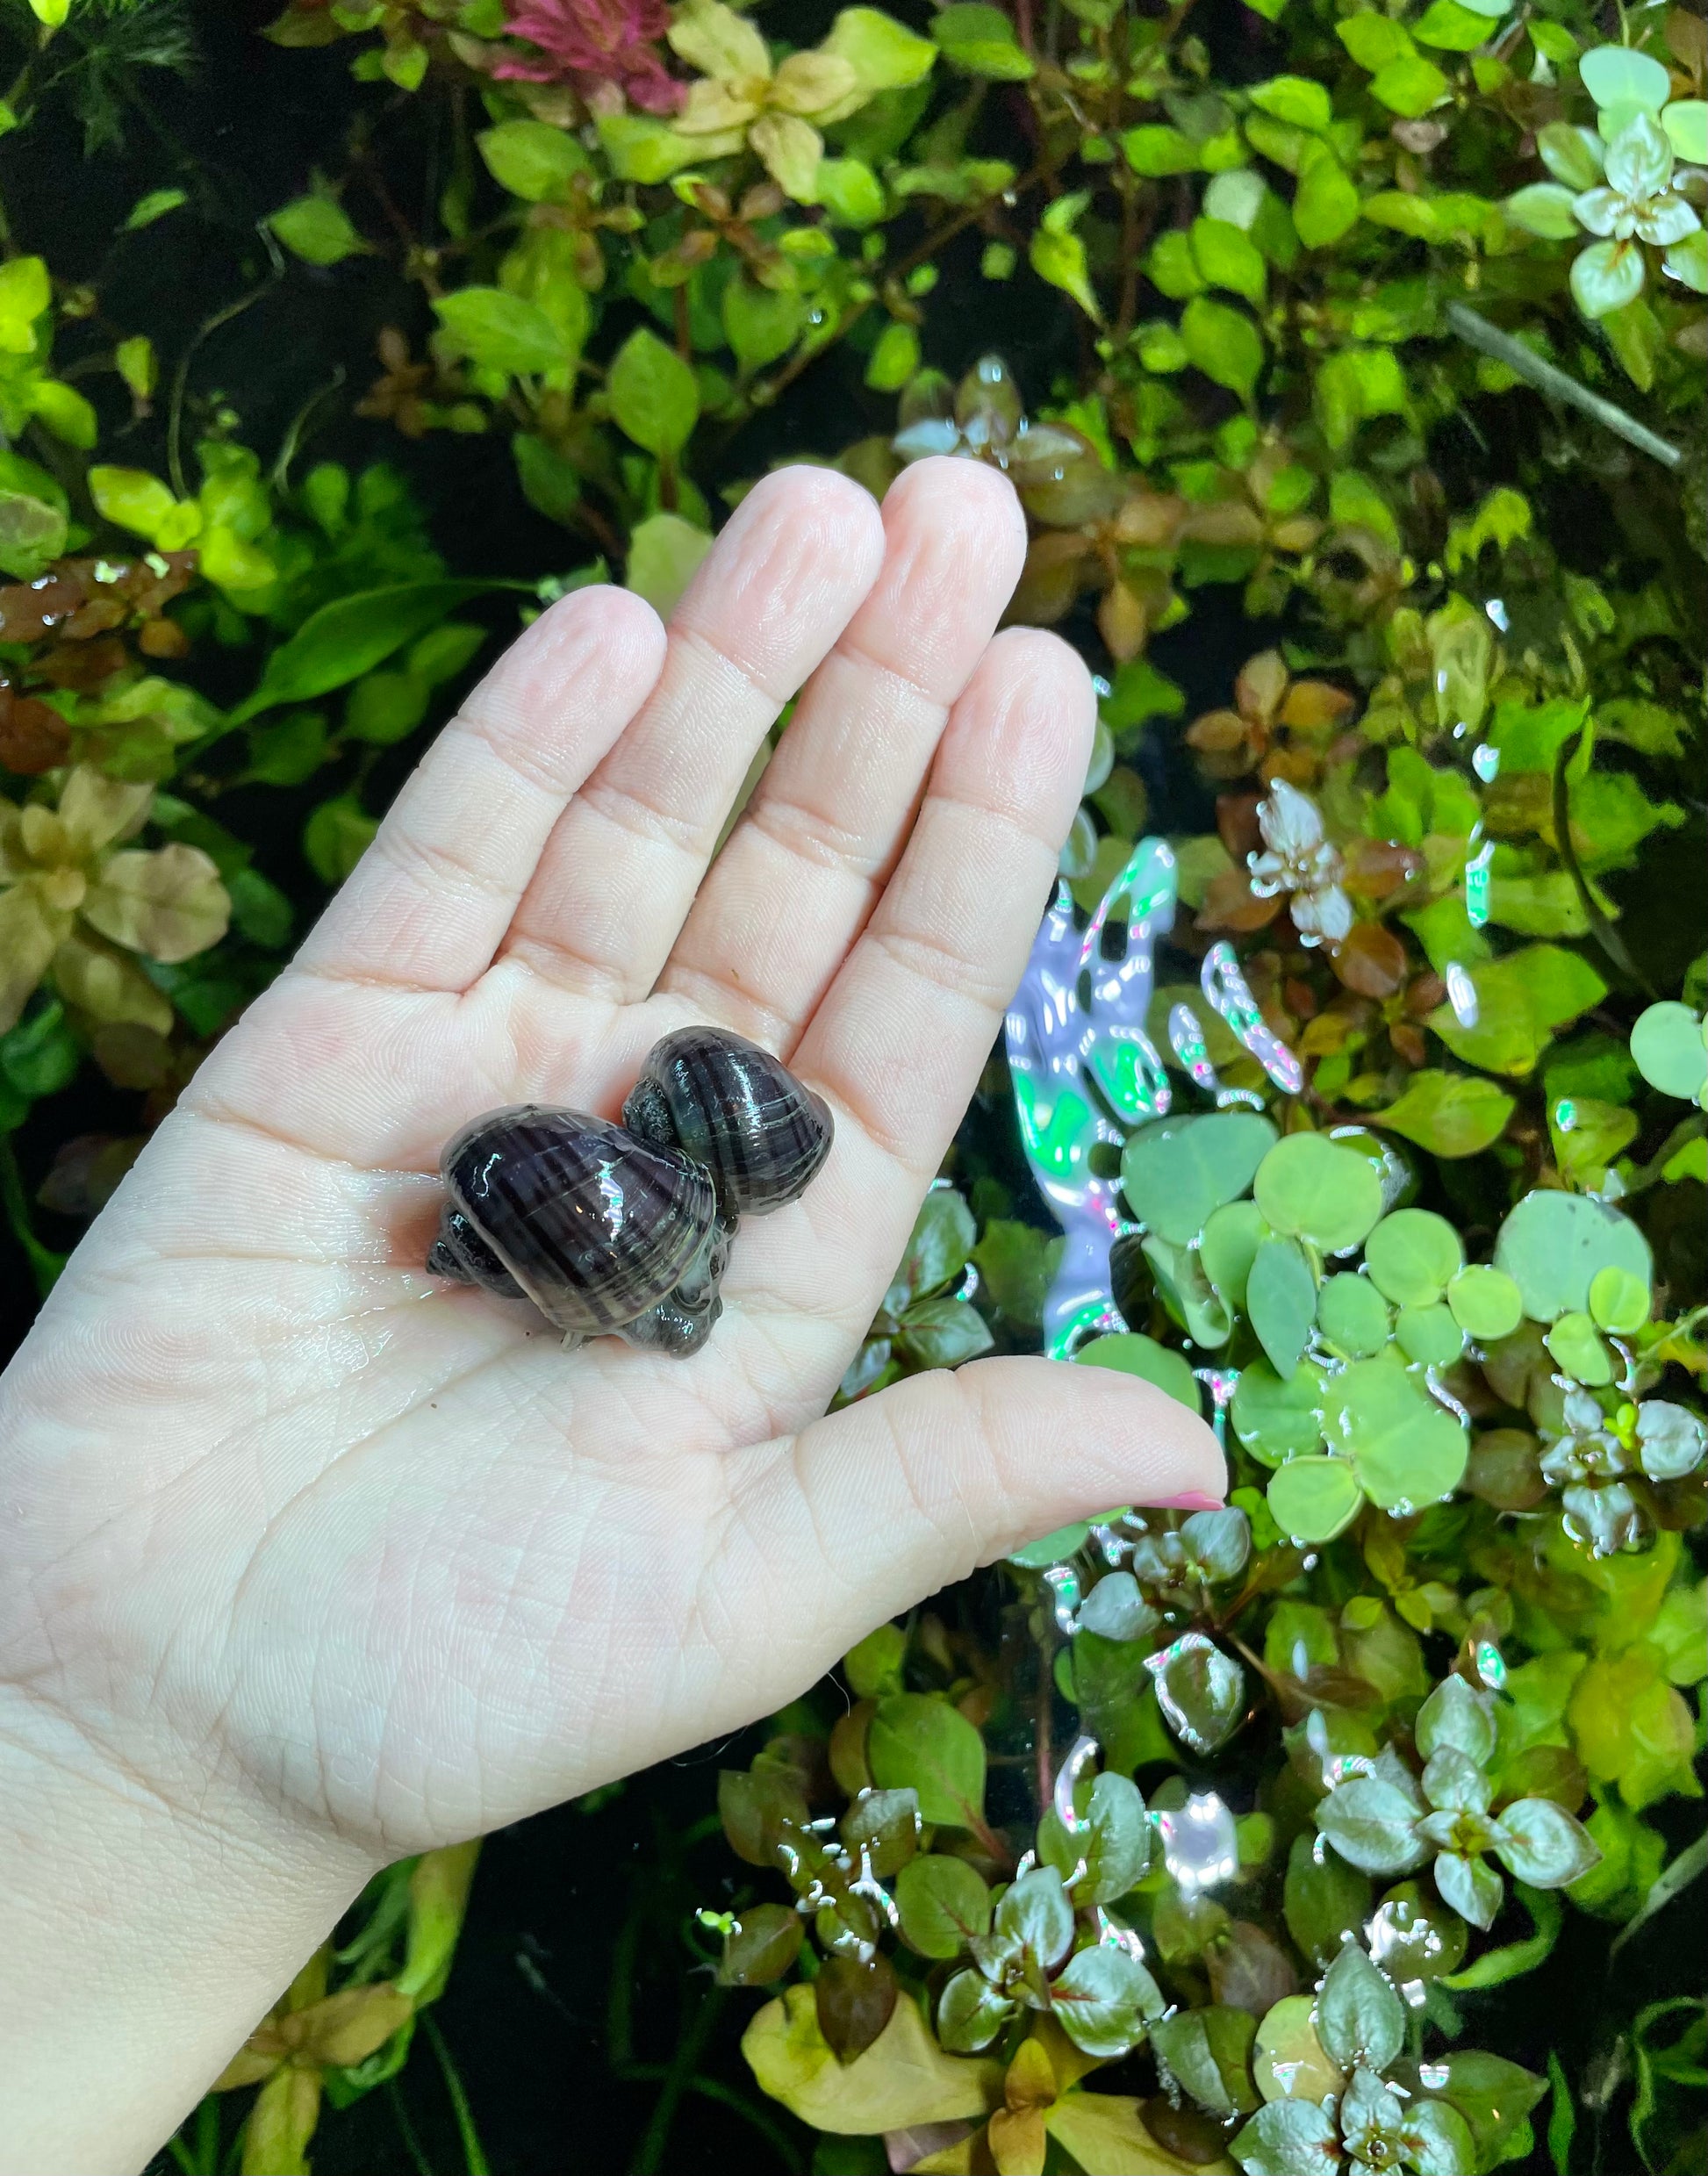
[{"x": 1195, "y": 1500}]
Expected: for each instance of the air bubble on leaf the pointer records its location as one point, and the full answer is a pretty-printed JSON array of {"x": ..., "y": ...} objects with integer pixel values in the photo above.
[
  {"x": 1200, "y": 1690},
  {"x": 1200, "y": 1844}
]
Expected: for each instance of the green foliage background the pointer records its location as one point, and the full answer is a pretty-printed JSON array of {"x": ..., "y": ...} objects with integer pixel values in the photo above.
[{"x": 1380, "y": 328}]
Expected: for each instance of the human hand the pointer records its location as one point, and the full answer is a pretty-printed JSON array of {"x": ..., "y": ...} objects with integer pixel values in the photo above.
[{"x": 312, "y": 1560}]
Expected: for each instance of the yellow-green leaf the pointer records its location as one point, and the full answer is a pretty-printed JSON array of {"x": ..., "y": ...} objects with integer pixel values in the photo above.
[{"x": 903, "y": 2079}]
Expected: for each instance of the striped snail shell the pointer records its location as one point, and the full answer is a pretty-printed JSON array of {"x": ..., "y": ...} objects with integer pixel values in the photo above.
[
  {"x": 602, "y": 1230},
  {"x": 736, "y": 1110}
]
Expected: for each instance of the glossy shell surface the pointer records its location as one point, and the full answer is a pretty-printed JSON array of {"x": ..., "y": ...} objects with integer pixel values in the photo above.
[
  {"x": 732, "y": 1107},
  {"x": 595, "y": 1225}
]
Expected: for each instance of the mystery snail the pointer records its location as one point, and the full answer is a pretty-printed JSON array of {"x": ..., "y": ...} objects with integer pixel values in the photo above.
[{"x": 626, "y": 1228}]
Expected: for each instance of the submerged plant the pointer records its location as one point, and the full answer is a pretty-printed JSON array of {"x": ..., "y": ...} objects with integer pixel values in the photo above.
[{"x": 1355, "y": 1094}]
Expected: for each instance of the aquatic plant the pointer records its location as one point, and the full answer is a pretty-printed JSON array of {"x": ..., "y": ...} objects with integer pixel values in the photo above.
[{"x": 1355, "y": 1096}]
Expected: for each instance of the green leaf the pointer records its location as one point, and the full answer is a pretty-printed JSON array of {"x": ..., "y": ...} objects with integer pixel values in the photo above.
[
  {"x": 665, "y": 553},
  {"x": 336, "y": 837},
  {"x": 154, "y": 206},
  {"x": 533, "y": 160},
  {"x": 914, "y": 1742},
  {"x": 1671, "y": 1051},
  {"x": 1619, "y": 76},
  {"x": 1017, "y": 1263},
  {"x": 1520, "y": 1001},
  {"x": 1294, "y": 99},
  {"x": 943, "y": 1904},
  {"x": 40, "y": 1055},
  {"x": 1372, "y": 1819},
  {"x": 971, "y": 2013},
  {"x": 1224, "y": 343},
  {"x": 1176, "y": 1173},
  {"x": 761, "y": 1946},
  {"x": 1280, "y": 1300},
  {"x": 1545, "y": 208},
  {"x": 1312, "y": 1499},
  {"x": 350, "y": 636},
  {"x": 936, "y": 1251},
  {"x": 317, "y": 229},
  {"x": 1229, "y": 1247},
  {"x": 1451, "y": 28},
  {"x": 1457, "y": 1716},
  {"x": 1035, "y": 1913},
  {"x": 1606, "y": 276},
  {"x": 1352, "y": 1316},
  {"x": 1486, "y": 1302},
  {"x": 1360, "y": 2020},
  {"x": 1103, "y": 2000},
  {"x": 1318, "y": 1189},
  {"x": 1553, "y": 1245},
  {"x": 942, "y": 1333},
  {"x": 1410, "y": 85},
  {"x": 1495, "y": 1966},
  {"x": 1374, "y": 39},
  {"x": 851, "y": 193},
  {"x": 1450, "y": 1114},
  {"x": 1130, "y": 1353},
  {"x": 385, "y": 707},
  {"x": 1542, "y": 1843},
  {"x": 1407, "y": 1451},
  {"x": 873, "y": 1666},
  {"x": 1060, "y": 258},
  {"x": 1325, "y": 203},
  {"x": 1155, "y": 150},
  {"x": 502, "y": 332},
  {"x": 884, "y": 55},
  {"x": 894, "y": 359},
  {"x": 133, "y": 500},
  {"x": 1572, "y": 155},
  {"x": 653, "y": 395},
  {"x": 1278, "y": 1420},
  {"x": 1490, "y": 2096},
  {"x": 1209, "y": 2051},
  {"x": 642, "y": 150},
  {"x": 1227, "y": 257},
  {"x": 904, "y": 2078},
  {"x": 1287, "y": 2138},
  {"x": 1324, "y": 1901},
  {"x": 980, "y": 41},
  {"x": 1413, "y": 1255},
  {"x": 1201, "y": 1691}
]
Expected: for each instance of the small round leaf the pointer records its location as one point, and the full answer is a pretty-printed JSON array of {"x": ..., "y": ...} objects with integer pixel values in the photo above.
[
  {"x": 1313, "y": 1499},
  {"x": 1277, "y": 1420},
  {"x": 1486, "y": 1302},
  {"x": 1413, "y": 1255},
  {"x": 1176, "y": 1173},
  {"x": 1130, "y": 1353},
  {"x": 1408, "y": 1451},
  {"x": 1316, "y": 1189},
  {"x": 1618, "y": 1300},
  {"x": 1352, "y": 1315},
  {"x": 1574, "y": 1343},
  {"x": 1429, "y": 1335},
  {"x": 1671, "y": 1055},
  {"x": 1552, "y": 1245}
]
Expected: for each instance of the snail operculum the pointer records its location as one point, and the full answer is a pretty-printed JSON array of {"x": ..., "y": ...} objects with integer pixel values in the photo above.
[
  {"x": 735, "y": 1109},
  {"x": 594, "y": 1225}
]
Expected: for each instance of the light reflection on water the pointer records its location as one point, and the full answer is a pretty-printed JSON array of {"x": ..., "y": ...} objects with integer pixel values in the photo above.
[{"x": 1200, "y": 1847}]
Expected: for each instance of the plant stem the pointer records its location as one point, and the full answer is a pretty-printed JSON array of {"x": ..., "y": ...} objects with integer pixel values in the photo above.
[
  {"x": 690, "y": 2044},
  {"x": 1547, "y": 378},
  {"x": 406, "y": 2129},
  {"x": 44, "y": 1263},
  {"x": 474, "y": 2157}
]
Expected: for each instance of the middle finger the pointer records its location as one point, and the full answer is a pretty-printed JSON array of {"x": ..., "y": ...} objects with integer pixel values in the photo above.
[{"x": 622, "y": 867}]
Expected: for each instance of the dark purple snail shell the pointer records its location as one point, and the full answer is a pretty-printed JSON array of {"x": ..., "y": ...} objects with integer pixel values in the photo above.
[
  {"x": 600, "y": 1229},
  {"x": 732, "y": 1107}
]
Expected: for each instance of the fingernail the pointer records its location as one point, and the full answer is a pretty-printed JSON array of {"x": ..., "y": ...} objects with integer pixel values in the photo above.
[{"x": 1195, "y": 1501}]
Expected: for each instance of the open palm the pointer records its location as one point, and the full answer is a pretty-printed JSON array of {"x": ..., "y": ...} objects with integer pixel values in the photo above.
[{"x": 291, "y": 1524}]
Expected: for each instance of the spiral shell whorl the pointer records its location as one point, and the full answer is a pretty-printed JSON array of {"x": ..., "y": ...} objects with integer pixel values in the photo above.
[
  {"x": 595, "y": 1225},
  {"x": 734, "y": 1109}
]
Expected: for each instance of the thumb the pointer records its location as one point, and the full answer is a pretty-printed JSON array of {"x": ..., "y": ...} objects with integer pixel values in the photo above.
[{"x": 909, "y": 1491}]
